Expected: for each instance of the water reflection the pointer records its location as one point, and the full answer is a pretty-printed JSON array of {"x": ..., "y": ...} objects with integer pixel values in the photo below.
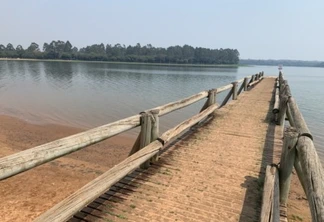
[
  {"x": 92, "y": 94},
  {"x": 59, "y": 75}
]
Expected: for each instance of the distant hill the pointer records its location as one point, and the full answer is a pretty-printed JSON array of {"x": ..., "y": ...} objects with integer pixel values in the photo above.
[{"x": 284, "y": 62}]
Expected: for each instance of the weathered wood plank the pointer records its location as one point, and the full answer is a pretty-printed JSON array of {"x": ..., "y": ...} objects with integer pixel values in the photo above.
[
  {"x": 210, "y": 99},
  {"x": 313, "y": 174},
  {"x": 289, "y": 116},
  {"x": 74, "y": 203},
  {"x": 224, "y": 88},
  {"x": 227, "y": 97},
  {"x": 300, "y": 173},
  {"x": 298, "y": 119},
  {"x": 254, "y": 83},
  {"x": 155, "y": 131},
  {"x": 277, "y": 101},
  {"x": 287, "y": 162},
  {"x": 246, "y": 83},
  {"x": 68, "y": 207},
  {"x": 169, "y": 135},
  {"x": 27, "y": 159},
  {"x": 241, "y": 88},
  {"x": 234, "y": 94},
  {"x": 136, "y": 145},
  {"x": 270, "y": 201},
  {"x": 282, "y": 110},
  {"x": 170, "y": 107},
  {"x": 146, "y": 132}
]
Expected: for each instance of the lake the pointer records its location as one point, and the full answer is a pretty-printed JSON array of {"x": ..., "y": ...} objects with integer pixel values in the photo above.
[{"x": 86, "y": 95}]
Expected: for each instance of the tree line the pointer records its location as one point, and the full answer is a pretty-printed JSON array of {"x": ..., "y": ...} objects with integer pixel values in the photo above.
[
  {"x": 284, "y": 62},
  {"x": 99, "y": 52}
]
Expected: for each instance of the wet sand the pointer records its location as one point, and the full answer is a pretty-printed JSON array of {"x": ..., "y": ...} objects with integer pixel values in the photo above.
[{"x": 27, "y": 195}]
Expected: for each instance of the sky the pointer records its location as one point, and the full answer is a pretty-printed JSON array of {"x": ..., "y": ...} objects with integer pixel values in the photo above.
[{"x": 258, "y": 29}]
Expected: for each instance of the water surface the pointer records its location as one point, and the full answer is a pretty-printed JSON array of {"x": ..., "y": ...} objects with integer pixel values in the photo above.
[{"x": 92, "y": 94}]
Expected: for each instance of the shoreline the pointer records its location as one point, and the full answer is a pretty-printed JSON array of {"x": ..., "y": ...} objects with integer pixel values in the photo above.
[
  {"x": 52, "y": 182},
  {"x": 128, "y": 63}
]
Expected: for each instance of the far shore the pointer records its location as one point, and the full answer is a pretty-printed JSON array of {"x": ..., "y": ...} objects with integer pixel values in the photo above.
[{"x": 128, "y": 63}]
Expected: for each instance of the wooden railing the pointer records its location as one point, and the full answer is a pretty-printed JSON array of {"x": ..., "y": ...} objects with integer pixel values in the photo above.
[
  {"x": 298, "y": 152},
  {"x": 146, "y": 149}
]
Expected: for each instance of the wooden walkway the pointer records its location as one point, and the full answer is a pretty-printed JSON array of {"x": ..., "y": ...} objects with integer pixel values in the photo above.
[{"x": 214, "y": 174}]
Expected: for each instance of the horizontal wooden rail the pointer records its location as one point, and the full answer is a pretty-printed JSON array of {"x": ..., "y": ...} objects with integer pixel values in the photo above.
[
  {"x": 255, "y": 82},
  {"x": 170, "y": 107},
  {"x": 27, "y": 159},
  {"x": 224, "y": 88},
  {"x": 299, "y": 151},
  {"x": 298, "y": 119},
  {"x": 312, "y": 176},
  {"x": 74, "y": 203}
]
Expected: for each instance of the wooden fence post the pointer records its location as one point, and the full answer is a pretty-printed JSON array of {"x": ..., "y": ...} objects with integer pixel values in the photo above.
[
  {"x": 246, "y": 83},
  {"x": 282, "y": 110},
  {"x": 211, "y": 97},
  {"x": 234, "y": 90},
  {"x": 155, "y": 130},
  {"x": 210, "y": 100},
  {"x": 252, "y": 79},
  {"x": 287, "y": 162},
  {"x": 146, "y": 132}
]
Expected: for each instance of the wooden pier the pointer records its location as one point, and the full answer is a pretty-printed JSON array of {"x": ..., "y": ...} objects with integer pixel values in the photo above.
[{"x": 219, "y": 165}]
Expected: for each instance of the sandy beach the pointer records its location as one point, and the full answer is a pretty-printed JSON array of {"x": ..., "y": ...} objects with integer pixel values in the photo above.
[{"x": 25, "y": 196}]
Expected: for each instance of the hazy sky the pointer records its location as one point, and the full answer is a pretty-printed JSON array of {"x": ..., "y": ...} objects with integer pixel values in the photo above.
[{"x": 289, "y": 29}]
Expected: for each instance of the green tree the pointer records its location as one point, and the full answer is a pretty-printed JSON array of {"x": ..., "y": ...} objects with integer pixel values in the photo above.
[{"x": 20, "y": 51}]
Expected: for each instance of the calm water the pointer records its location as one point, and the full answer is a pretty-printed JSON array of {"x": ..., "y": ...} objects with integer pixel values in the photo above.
[{"x": 92, "y": 94}]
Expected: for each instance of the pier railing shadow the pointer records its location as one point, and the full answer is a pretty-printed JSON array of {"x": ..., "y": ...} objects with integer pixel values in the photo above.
[{"x": 253, "y": 184}]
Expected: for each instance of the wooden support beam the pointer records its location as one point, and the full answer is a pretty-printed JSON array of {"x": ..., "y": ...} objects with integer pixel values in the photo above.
[
  {"x": 28, "y": 159},
  {"x": 246, "y": 83},
  {"x": 277, "y": 102},
  {"x": 299, "y": 121},
  {"x": 169, "y": 135},
  {"x": 270, "y": 211},
  {"x": 287, "y": 162},
  {"x": 234, "y": 90},
  {"x": 64, "y": 210},
  {"x": 75, "y": 202},
  {"x": 136, "y": 146},
  {"x": 241, "y": 88},
  {"x": 282, "y": 111},
  {"x": 300, "y": 173},
  {"x": 224, "y": 88},
  {"x": 210, "y": 99},
  {"x": 227, "y": 98},
  {"x": 155, "y": 130},
  {"x": 146, "y": 132},
  {"x": 289, "y": 116},
  {"x": 313, "y": 174},
  {"x": 170, "y": 107}
]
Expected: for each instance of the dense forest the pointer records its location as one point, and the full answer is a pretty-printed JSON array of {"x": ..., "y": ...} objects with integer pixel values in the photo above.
[
  {"x": 284, "y": 62},
  {"x": 99, "y": 52}
]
